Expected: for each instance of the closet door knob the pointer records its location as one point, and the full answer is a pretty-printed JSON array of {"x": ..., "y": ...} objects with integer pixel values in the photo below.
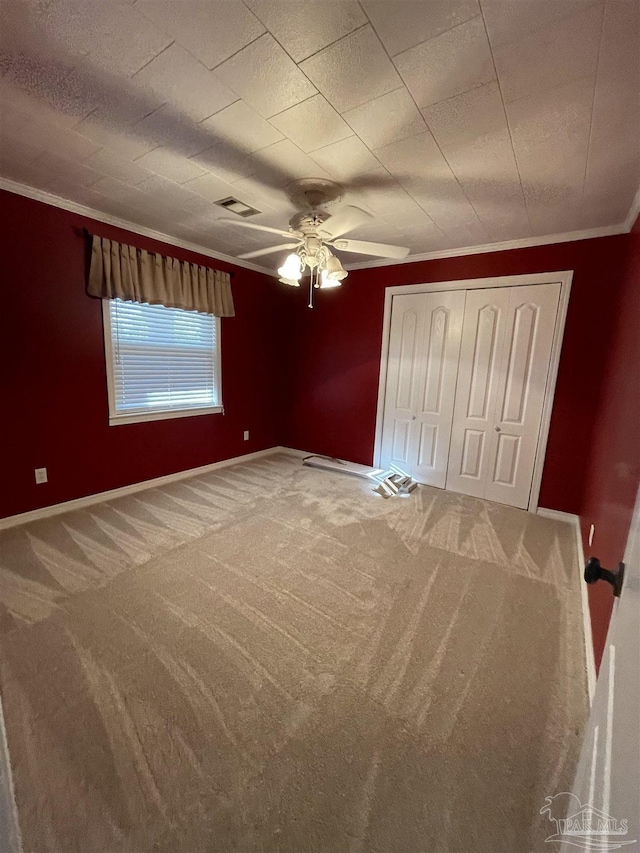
[
  {"x": 497, "y": 429},
  {"x": 594, "y": 571},
  {"x": 413, "y": 417}
]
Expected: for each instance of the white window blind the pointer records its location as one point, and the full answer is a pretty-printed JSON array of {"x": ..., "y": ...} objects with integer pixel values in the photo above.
[{"x": 163, "y": 361}]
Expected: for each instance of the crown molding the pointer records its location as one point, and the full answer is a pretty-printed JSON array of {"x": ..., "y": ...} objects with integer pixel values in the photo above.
[
  {"x": 634, "y": 212},
  {"x": 505, "y": 246},
  {"x": 90, "y": 212}
]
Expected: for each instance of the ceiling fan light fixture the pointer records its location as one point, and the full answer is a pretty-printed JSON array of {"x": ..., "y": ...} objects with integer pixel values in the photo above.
[
  {"x": 327, "y": 281},
  {"x": 334, "y": 269},
  {"x": 292, "y": 282},
  {"x": 291, "y": 269}
]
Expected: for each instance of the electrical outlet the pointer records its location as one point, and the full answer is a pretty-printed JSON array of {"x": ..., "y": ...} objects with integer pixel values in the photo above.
[
  {"x": 592, "y": 530},
  {"x": 246, "y": 435},
  {"x": 41, "y": 475}
]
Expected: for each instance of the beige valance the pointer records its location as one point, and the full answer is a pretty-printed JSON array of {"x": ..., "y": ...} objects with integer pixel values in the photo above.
[{"x": 119, "y": 271}]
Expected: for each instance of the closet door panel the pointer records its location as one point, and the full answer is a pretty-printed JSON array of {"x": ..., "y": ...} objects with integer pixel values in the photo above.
[
  {"x": 440, "y": 351},
  {"x": 424, "y": 345},
  {"x": 487, "y": 324},
  {"x": 480, "y": 356},
  {"x": 521, "y": 388},
  {"x": 399, "y": 428}
]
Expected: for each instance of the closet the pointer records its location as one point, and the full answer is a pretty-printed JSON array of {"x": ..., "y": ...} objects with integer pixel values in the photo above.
[{"x": 465, "y": 387}]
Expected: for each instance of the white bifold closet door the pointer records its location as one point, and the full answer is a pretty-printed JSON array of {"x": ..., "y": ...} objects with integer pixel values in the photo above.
[
  {"x": 504, "y": 362},
  {"x": 424, "y": 346}
]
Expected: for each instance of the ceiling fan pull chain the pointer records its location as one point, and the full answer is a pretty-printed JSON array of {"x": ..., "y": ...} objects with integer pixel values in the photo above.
[{"x": 310, "y": 305}]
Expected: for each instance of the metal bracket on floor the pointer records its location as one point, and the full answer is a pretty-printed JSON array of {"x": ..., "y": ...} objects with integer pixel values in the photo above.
[
  {"x": 391, "y": 482},
  {"x": 395, "y": 483}
]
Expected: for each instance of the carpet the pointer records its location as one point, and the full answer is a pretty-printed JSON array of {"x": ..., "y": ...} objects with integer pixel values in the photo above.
[{"x": 271, "y": 659}]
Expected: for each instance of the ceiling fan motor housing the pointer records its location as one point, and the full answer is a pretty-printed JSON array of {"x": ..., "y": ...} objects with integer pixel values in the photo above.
[{"x": 307, "y": 223}]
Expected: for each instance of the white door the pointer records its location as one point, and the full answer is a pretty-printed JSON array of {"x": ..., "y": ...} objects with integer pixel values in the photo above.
[
  {"x": 424, "y": 346},
  {"x": 504, "y": 363},
  {"x": 604, "y": 806}
]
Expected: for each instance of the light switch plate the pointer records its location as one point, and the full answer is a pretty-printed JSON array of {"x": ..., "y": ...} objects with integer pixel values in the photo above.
[{"x": 41, "y": 475}]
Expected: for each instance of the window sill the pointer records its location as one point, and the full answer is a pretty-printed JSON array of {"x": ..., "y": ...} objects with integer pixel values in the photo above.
[{"x": 143, "y": 417}]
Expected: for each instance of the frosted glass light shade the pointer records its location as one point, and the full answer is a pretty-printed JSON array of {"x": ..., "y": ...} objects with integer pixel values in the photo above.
[
  {"x": 335, "y": 270},
  {"x": 291, "y": 268},
  {"x": 326, "y": 280}
]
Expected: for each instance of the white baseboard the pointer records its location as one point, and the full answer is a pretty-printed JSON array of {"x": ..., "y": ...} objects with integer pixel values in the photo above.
[
  {"x": 590, "y": 661},
  {"x": 88, "y": 500},
  {"x": 557, "y": 515},
  {"x": 291, "y": 451}
]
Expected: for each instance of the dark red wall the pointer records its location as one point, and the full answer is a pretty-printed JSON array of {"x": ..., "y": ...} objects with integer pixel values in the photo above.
[
  {"x": 54, "y": 397},
  {"x": 613, "y": 466},
  {"x": 335, "y": 354}
]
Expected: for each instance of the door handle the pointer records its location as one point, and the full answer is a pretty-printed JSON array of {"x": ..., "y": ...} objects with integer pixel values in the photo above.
[
  {"x": 497, "y": 429},
  {"x": 594, "y": 572},
  {"x": 413, "y": 417}
]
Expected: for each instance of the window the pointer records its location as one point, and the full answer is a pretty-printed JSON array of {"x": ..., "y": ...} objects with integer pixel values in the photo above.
[{"x": 161, "y": 362}]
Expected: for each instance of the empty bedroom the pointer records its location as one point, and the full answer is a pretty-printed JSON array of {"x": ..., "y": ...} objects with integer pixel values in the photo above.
[{"x": 320, "y": 435}]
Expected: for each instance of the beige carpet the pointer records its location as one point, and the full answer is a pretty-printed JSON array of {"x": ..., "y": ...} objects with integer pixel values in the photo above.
[{"x": 271, "y": 658}]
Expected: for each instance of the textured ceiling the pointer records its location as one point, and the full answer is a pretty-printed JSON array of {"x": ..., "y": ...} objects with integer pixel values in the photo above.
[{"x": 480, "y": 121}]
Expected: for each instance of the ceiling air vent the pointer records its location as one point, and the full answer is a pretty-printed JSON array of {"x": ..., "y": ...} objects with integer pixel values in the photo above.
[{"x": 238, "y": 207}]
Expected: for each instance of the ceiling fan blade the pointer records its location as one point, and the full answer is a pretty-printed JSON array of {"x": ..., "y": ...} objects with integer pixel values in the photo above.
[
  {"x": 345, "y": 220},
  {"x": 373, "y": 181},
  {"x": 244, "y": 224},
  {"x": 362, "y": 247},
  {"x": 259, "y": 252}
]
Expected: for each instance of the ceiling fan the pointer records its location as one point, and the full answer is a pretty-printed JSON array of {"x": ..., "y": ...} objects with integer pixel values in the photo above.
[{"x": 313, "y": 233}]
